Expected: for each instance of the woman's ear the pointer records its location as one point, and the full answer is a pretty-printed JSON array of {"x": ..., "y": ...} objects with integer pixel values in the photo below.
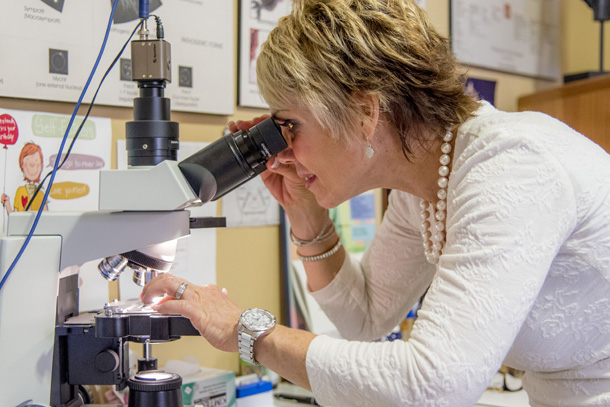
[{"x": 370, "y": 113}]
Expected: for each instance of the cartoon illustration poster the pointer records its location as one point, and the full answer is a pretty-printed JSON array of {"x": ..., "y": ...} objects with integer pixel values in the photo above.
[{"x": 30, "y": 142}]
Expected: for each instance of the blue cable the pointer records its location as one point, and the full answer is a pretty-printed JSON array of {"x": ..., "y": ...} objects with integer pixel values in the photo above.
[
  {"x": 61, "y": 147},
  {"x": 144, "y": 9}
]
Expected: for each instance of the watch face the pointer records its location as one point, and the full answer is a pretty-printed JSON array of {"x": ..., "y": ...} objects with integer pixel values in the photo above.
[{"x": 258, "y": 319}]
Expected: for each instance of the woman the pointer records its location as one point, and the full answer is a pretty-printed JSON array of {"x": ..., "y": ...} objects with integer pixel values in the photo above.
[{"x": 504, "y": 218}]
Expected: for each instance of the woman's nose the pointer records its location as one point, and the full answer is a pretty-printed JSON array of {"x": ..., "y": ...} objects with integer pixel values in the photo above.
[{"x": 286, "y": 156}]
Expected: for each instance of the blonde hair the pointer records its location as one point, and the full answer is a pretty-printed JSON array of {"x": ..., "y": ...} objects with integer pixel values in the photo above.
[{"x": 327, "y": 52}]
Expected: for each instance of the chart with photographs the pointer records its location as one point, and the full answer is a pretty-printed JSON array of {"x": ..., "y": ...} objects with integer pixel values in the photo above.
[
  {"x": 48, "y": 48},
  {"x": 256, "y": 20}
]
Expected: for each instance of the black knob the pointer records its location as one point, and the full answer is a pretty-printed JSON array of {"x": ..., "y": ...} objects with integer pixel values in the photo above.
[{"x": 107, "y": 361}]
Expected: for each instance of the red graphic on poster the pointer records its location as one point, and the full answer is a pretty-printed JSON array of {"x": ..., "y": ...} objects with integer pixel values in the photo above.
[{"x": 9, "y": 132}]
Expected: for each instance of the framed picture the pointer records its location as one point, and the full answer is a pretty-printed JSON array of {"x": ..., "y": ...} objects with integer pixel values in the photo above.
[
  {"x": 515, "y": 36},
  {"x": 256, "y": 20}
]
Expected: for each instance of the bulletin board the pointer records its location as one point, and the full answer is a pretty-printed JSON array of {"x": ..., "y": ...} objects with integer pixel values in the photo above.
[
  {"x": 52, "y": 46},
  {"x": 515, "y": 36}
]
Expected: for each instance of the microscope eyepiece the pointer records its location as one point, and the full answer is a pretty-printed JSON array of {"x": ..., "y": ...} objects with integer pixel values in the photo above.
[{"x": 232, "y": 160}]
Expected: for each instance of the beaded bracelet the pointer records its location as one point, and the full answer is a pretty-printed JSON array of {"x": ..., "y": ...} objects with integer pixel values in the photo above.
[
  {"x": 325, "y": 234},
  {"x": 323, "y": 255}
]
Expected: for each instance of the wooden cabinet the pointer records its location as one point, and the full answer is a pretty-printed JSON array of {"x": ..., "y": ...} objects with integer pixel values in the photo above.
[{"x": 583, "y": 105}]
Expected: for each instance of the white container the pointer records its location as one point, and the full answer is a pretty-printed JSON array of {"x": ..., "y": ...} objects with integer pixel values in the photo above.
[{"x": 209, "y": 387}]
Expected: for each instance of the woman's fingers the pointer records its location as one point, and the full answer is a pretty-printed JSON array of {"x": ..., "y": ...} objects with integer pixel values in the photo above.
[
  {"x": 208, "y": 307},
  {"x": 238, "y": 125},
  {"x": 170, "y": 306},
  {"x": 159, "y": 286}
]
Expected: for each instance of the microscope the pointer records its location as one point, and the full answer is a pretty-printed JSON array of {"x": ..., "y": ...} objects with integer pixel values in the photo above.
[{"x": 49, "y": 351}]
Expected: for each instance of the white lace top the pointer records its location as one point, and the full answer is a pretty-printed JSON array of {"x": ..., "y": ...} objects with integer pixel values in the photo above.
[{"x": 524, "y": 279}]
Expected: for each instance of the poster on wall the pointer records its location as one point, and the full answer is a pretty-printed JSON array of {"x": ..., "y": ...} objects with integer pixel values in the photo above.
[
  {"x": 49, "y": 47},
  {"x": 515, "y": 36},
  {"x": 356, "y": 221},
  {"x": 30, "y": 144},
  {"x": 256, "y": 20},
  {"x": 481, "y": 89},
  {"x": 251, "y": 205}
]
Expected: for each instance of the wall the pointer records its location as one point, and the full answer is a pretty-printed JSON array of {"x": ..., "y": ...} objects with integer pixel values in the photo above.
[
  {"x": 248, "y": 258},
  {"x": 508, "y": 87},
  {"x": 579, "y": 50},
  {"x": 580, "y": 38}
]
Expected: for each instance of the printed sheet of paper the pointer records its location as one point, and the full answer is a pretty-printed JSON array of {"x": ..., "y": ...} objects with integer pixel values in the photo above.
[
  {"x": 517, "y": 36},
  {"x": 48, "y": 49}
]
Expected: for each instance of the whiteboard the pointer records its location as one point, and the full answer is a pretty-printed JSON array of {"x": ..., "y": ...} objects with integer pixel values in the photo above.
[
  {"x": 48, "y": 48},
  {"x": 516, "y": 36}
]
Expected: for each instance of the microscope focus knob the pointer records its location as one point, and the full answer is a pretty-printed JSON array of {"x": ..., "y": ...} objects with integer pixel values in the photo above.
[{"x": 107, "y": 361}]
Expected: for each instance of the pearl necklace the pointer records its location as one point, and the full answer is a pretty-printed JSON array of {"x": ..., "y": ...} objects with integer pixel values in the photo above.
[{"x": 433, "y": 244}]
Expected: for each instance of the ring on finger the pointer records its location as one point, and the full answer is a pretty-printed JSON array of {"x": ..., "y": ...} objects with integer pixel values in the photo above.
[{"x": 180, "y": 290}]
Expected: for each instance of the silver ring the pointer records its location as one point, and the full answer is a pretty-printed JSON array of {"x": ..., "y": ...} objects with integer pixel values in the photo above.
[{"x": 180, "y": 290}]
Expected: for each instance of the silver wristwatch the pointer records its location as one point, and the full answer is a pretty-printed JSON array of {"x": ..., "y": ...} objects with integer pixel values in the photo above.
[{"x": 253, "y": 323}]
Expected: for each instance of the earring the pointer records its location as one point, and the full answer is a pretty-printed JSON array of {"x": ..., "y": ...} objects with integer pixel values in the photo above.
[{"x": 369, "y": 152}]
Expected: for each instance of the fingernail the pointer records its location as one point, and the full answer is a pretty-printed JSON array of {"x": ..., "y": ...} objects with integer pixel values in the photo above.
[
  {"x": 155, "y": 307},
  {"x": 224, "y": 291},
  {"x": 276, "y": 163}
]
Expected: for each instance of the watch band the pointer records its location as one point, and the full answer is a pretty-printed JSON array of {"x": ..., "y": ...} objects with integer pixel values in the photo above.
[{"x": 246, "y": 347}]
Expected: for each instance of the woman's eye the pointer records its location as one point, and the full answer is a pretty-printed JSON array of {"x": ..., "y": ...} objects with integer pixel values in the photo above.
[{"x": 289, "y": 125}]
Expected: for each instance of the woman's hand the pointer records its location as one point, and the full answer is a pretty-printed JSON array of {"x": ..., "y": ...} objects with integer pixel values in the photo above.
[
  {"x": 281, "y": 179},
  {"x": 208, "y": 308}
]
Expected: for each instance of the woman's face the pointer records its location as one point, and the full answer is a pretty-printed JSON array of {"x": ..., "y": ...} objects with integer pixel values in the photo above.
[
  {"x": 333, "y": 170},
  {"x": 32, "y": 166}
]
